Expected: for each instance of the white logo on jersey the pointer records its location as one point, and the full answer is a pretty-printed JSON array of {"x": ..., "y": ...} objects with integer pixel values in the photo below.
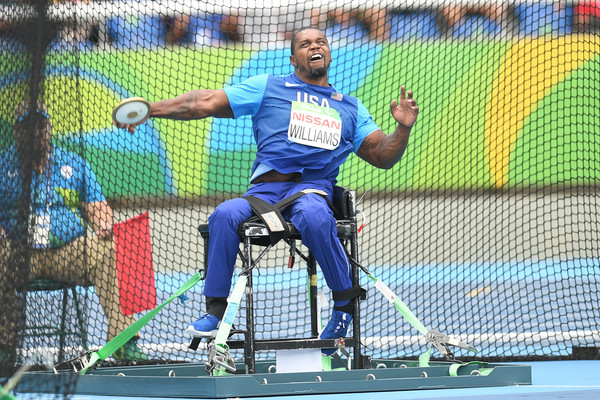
[{"x": 312, "y": 99}]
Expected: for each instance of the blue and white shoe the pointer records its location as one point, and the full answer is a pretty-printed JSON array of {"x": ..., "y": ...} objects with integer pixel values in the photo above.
[
  {"x": 206, "y": 326},
  {"x": 336, "y": 328}
]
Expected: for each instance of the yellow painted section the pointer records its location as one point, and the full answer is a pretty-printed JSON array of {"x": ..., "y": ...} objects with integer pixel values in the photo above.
[{"x": 529, "y": 72}]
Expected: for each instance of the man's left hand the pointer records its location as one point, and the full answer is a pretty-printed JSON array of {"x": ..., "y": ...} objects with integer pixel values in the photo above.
[{"x": 405, "y": 112}]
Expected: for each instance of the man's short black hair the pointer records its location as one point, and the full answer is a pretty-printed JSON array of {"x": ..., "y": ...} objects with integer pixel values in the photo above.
[{"x": 293, "y": 44}]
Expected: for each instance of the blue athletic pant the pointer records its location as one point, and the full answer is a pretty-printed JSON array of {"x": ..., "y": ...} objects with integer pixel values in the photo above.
[{"x": 310, "y": 214}]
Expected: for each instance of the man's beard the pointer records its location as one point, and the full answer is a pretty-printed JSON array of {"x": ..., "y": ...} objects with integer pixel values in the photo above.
[{"x": 318, "y": 72}]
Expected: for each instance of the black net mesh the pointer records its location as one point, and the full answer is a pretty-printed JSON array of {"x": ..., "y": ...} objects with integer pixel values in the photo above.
[{"x": 487, "y": 228}]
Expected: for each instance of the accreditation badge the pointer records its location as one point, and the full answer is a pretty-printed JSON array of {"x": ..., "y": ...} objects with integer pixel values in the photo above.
[
  {"x": 315, "y": 126},
  {"x": 40, "y": 230}
]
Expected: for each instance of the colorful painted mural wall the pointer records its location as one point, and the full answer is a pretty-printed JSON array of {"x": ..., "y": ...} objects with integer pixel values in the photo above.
[{"x": 502, "y": 114}]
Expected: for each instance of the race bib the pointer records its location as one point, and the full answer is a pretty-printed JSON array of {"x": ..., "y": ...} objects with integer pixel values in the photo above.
[
  {"x": 40, "y": 231},
  {"x": 315, "y": 126}
]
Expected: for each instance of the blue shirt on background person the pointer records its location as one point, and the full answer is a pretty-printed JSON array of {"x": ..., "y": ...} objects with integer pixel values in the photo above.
[{"x": 58, "y": 194}]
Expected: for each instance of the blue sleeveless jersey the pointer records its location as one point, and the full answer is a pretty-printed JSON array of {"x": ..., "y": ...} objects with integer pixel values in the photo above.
[{"x": 300, "y": 127}]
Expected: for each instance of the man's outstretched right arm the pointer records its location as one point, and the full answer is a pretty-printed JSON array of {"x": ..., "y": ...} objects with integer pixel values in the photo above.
[{"x": 195, "y": 104}]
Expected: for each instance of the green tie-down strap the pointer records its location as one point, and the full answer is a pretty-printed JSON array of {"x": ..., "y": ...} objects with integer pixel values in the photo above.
[
  {"x": 14, "y": 381},
  {"x": 5, "y": 395},
  {"x": 115, "y": 343},
  {"x": 406, "y": 313},
  {"x": 219, "y": 358},
  {"x": 453, "y": 371},
  {"x": 399, "y": 304},
  {"x": 425, "y": 357},
  {"x": 436, "y": 339}
]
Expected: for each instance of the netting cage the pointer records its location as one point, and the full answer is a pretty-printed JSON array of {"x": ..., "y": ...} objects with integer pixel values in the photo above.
[{"x": 487, "y": 228}]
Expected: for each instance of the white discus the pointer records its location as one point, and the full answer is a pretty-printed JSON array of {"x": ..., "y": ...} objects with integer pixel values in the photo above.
[{"x": 132, "y": 111}]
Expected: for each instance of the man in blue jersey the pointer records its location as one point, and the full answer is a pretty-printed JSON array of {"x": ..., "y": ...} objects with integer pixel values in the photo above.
[
  {"x": 304, "y": 130},
  {"x": 48, "y": 197}
]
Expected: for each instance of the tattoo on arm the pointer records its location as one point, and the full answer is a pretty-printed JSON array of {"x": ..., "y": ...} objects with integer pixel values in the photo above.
[
  {"x": 366, "y": 151},
  {"x": 195, "y": 104},
  {"x": 381, "y": 150},
  {"x": 187, "y": 108},
  {"x": 371, "y": 149}
]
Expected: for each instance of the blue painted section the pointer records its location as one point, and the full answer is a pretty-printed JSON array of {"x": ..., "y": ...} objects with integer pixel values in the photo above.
[
  {"x": 121, "y": 141},
  {"x": 352, "y": 64}
]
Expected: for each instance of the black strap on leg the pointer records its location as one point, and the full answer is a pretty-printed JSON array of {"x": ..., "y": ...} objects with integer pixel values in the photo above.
[
  {"x": 349, "y": 294},
  {"x": 270, "y": 214},
  {"x": 216, "y": 306}
]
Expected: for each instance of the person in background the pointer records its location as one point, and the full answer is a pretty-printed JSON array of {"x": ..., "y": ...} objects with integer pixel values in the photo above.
[
  {"x": 48, "y": 197},
  {"x": 452, "y": 14}
]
